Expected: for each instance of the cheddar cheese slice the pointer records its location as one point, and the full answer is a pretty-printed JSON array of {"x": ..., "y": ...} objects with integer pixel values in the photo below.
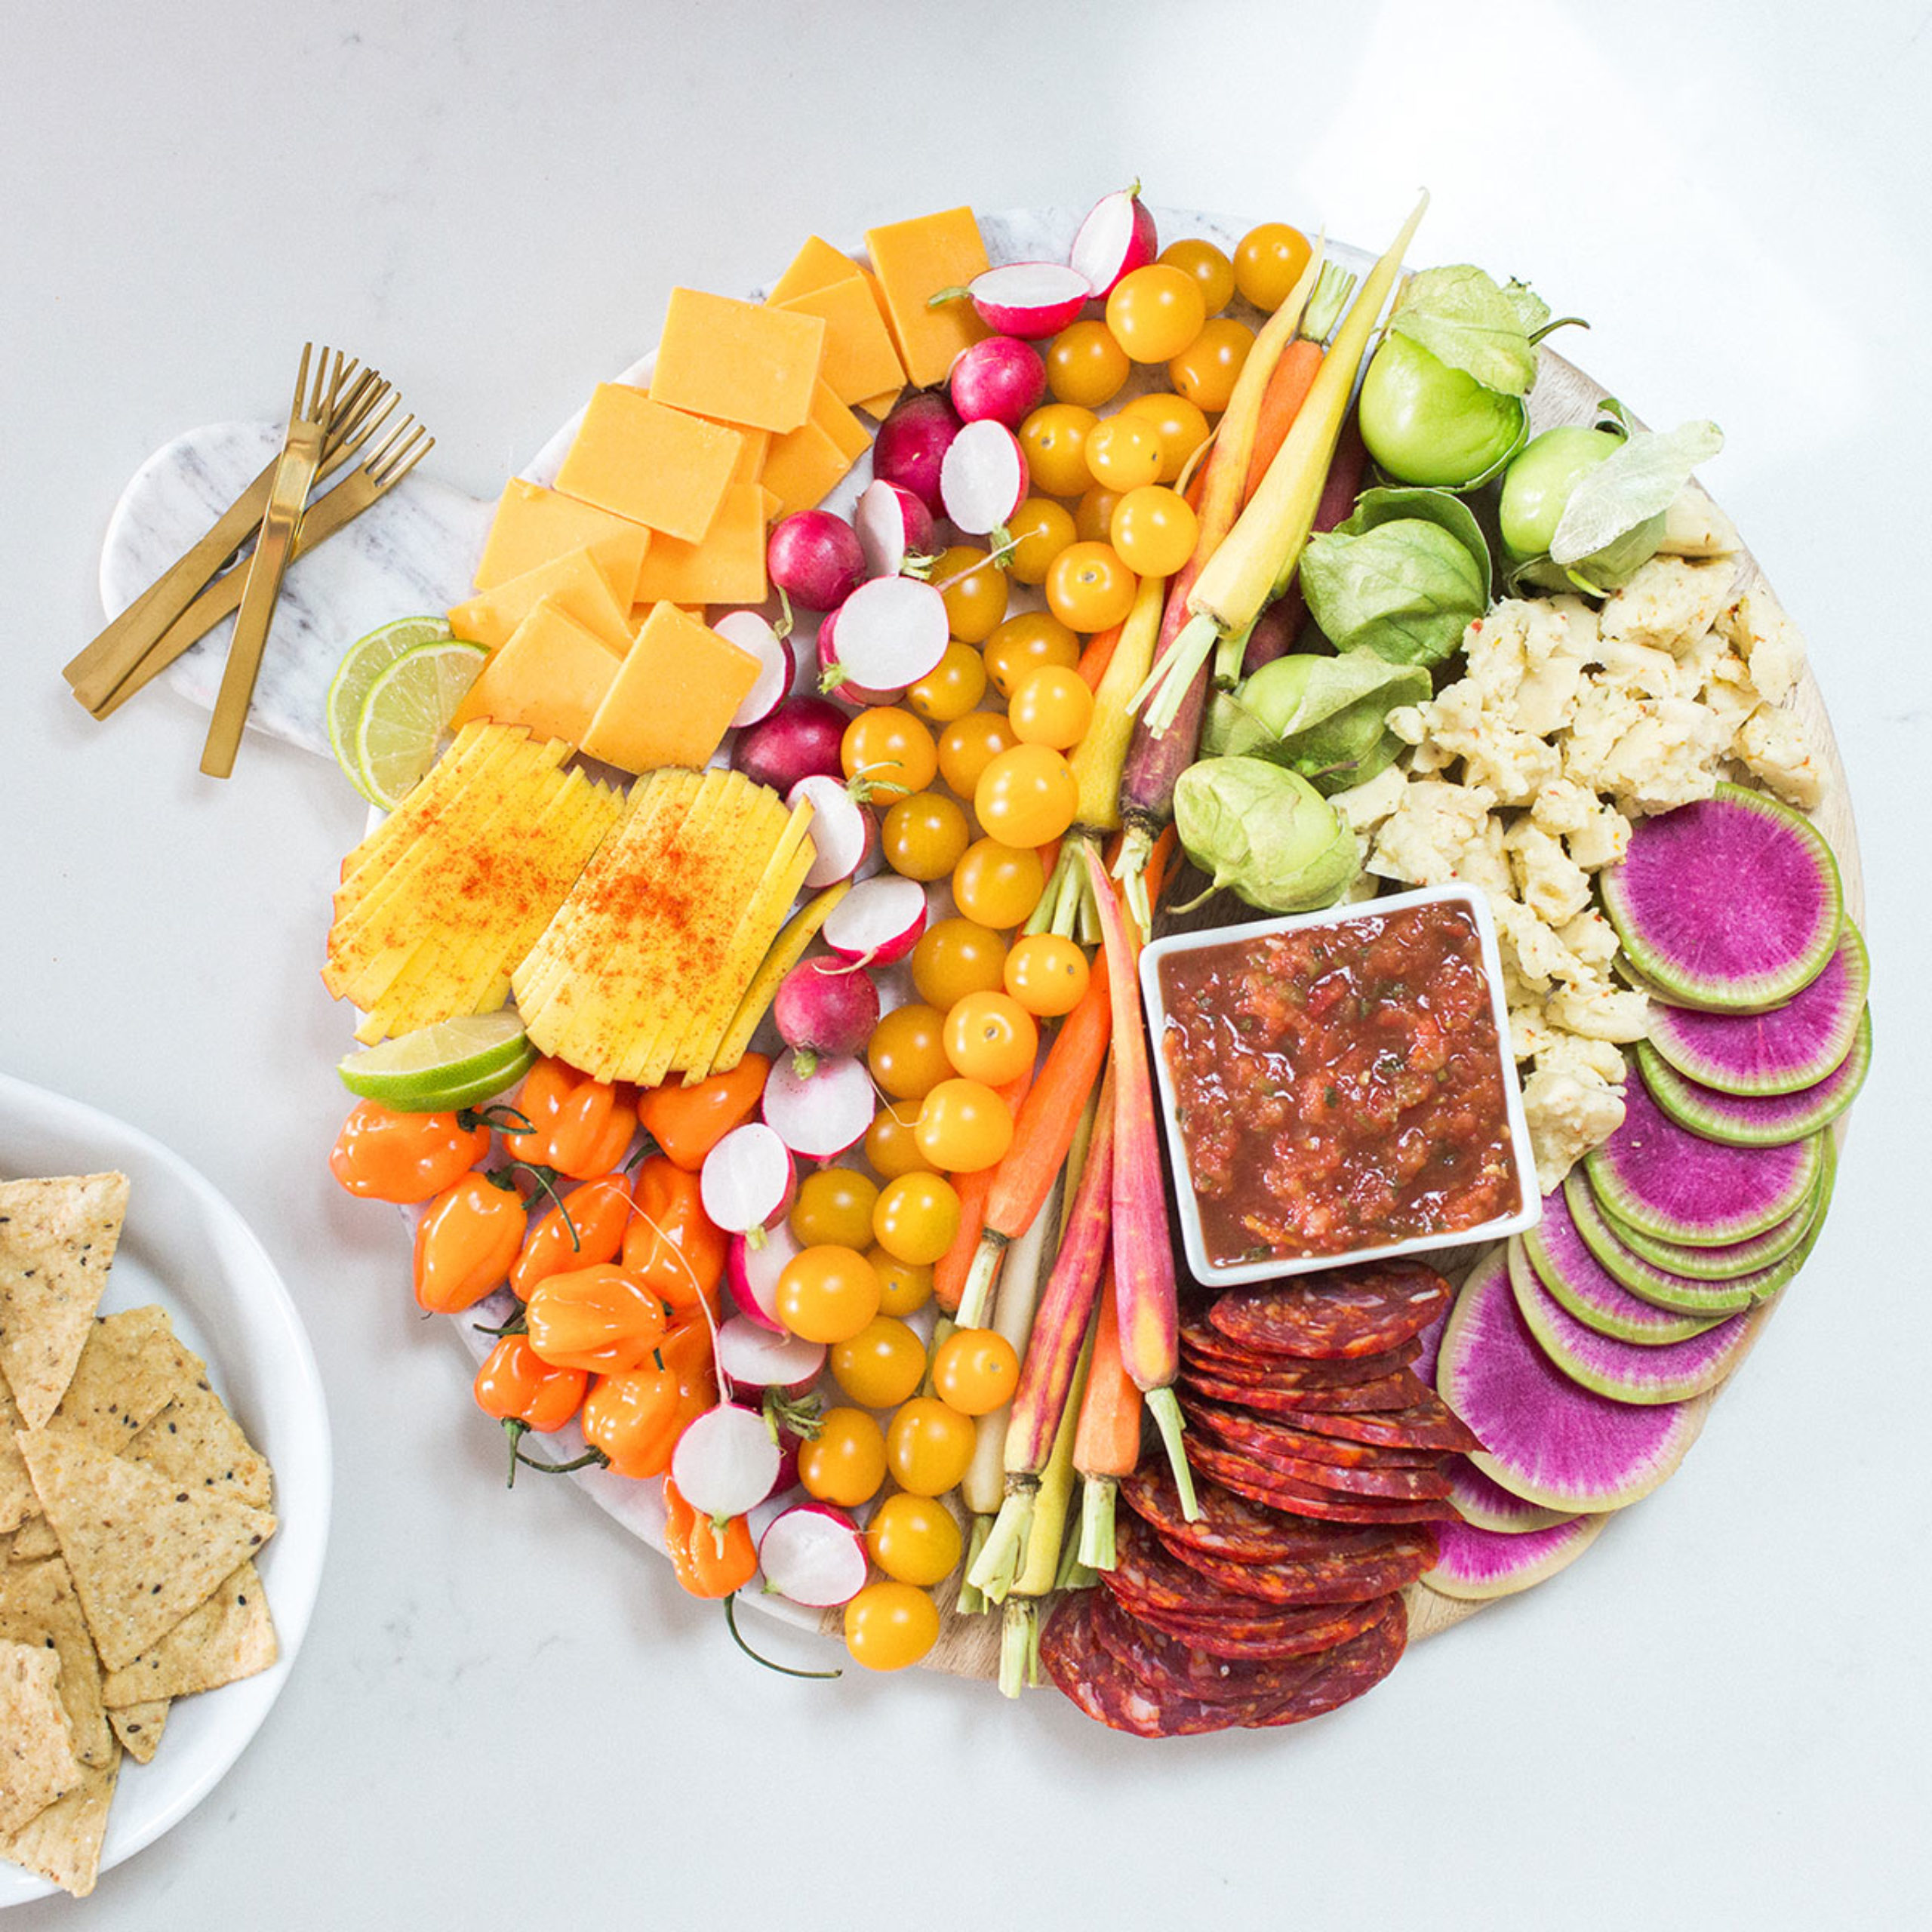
[
  {"x": 802, "y": 467},
  {"x": 879, "y": 407},
  {"x": 915, "y": 260},
  {"x": 550, "y": 674},
  {"x": 657, "y": 466},
  {"x": 727, "y": 567},
  {"x": 839, "y": 423},
  {"x": 815, "y": 265},
  {"x": 671, "y": 700},
  {"x": 740, "y": 361},
  {"x": 573, "y": 582},
  {"x": 860, "y": 359},
  {"x": 534, "y": 526}
]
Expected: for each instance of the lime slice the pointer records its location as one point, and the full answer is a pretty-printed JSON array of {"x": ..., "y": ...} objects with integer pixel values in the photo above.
[
  {"x": 454, "y": 1063},
  {"x": 362, "y": 663},
  {"x": 405, "y": 713}
]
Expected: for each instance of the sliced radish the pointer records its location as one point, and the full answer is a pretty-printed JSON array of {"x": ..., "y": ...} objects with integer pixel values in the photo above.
[
  {"x": 891, "y": 522},
  {"x": 834, "y": 676},
  {"x": 814, "y": 558},
  {"x": 1116, "y": 238},
  {"x": 747, "y": 1182},
  {"x": 753, "y": 1273},
  {"x": 814, "y": 1554},
  {"x": 800, "y": 739},
  {"x": 775, "y": 665},
  {"x": 825, "y": 1006},
  {"x": 754, "y": 1359},
  {"x": 820, "y": 1116},
  {"x": 840, "y": 835},
  {"x": 889, "y": 632},
  {"x": 725, "y": 1462},
  {"x": 983, "y": 479},
  {"x": 912, "y": 443},
  {"x": 1032, "y": 300},
  {"x": 877, "y": 922}
]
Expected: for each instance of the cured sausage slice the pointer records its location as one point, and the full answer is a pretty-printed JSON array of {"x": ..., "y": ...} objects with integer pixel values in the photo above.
[
  {"x": 1250, "y": 1435},
  {"x": 1164, "y": 1665},
  {"x": 1398, "y": 1391},
  {"x": 1259, "y": 1484},
  {"x": 1363, "y": 1561},
  {"x": 1265, "y": 1638},
  {"x": 1338, "y": 1314},
  {"x": 1212, "y": 1350},
  {"x": 1096, "y": 1683},
  {"x": 1348, "y": 1670},
  {"x": 1293, "y": 1439},
  {"x": 1426, "y": 1423}
]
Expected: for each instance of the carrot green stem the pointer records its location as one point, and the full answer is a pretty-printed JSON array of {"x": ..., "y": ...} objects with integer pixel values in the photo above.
[
  {"x": 1018, "y": 1647},
  {"x": 1072, "y": 1573},
  {"x": 1095, "y": 1547},
  {"x": 976, "y": 1299},
  {"x": 1333, "y": 287},
  {"x": 972, "y": 1600},
  {"x": 998, "y": 1563},
  {"x": 1166, "y": 1412}
]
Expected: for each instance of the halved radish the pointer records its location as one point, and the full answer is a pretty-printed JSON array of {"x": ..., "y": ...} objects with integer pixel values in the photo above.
[
  {"x": 912, "y": 443},
  {"x": 725, "y": 1462},
  {"x": 821, "y": 1117},
  {"x": 747, "y": 1182},
  {"x": 1116, "y": 238},
  {"x": 983, "y": 479},
  {"x": 753, "y": 1273},
  {"x": 799, "y": 739},
  {"x": 877, "y": 922},
  {"x": 892, "y": 523},
  {"x": 814, "y": 558},
  {"x": 825, "y": 1006},
  {"x": 814, "y": 1554},
  {"x": 890, "y": 631},
  {"x": 755, "y": 1358},
  {"x": 833, "y": 676},
  {"x": 843, "y": 830},
  {"x": 775, "y": 665},
  {"x": 1032, "y": 299}
]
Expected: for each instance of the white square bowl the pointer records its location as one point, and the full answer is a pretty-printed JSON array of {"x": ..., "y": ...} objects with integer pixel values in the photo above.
[{"x": 1212, "y": 1274}]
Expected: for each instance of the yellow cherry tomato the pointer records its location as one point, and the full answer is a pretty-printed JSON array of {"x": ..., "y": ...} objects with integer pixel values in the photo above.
[
  {"x": 904, "y": 1286},
  {"x": 954, "y": 957},
  {"x": 998, "y": 885},
  {"x": 835, "y": 1206},
  {"x": 974, "y": 590},
  {"x": 1155, "y": 313},
  {"x": 1154, "y": 530},
  {"x": 892, "y": 1145},
  {"x": 1039, "y": 529},
  {"x": 1089, "y": 587},
  {"x": 974, "y": 1370},
  {"x": 964, "y": 1126},
  {"x": 1054, "y": 439},
  {"x": 890, "y": 752},
  {"x": 827, "y": 1292},
  {"x": 915, "y": 1539},
  {"x": 881, "y": 1365},
  {"x": 1208, "y": 266},
  {"x": 1205, "y": 371},
  {"x": 916, "y": 1216},
  {"x": 923, "y": 837},
  {"x": 907, "y": 1051},
  {"x": 1086, "y": 366},
  {"x": 1046, "y": 974},
  {"x": 952, "y": 687},
  {"x": 1269, "y": 261},
  {"x": 1124, "y": 452},
  {"x": 1051, "y": 706},
  {"x": 844, "y": 1463},
  {"x": 1026, "y": 796},
  {"x": 1093, "y": 515},
  {"x": 989, "y": 1037},
  {"x": 889, "y": 1625},
  {"x": 1023, "y": 644},
  {"x": 968, "y": 745},
  {"x": 928, "y": 1446},
  {"x": 1179, "y": 423}
]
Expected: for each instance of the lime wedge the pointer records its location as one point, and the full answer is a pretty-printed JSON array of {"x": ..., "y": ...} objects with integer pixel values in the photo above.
[
  {"x": 454, "y": 1063},
  {"x": 362, "y": 663},
  {"x": 404, "y": 714}
]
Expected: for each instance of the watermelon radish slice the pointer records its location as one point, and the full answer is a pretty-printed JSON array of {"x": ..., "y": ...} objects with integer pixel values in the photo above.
[
  {"x": 1793, "y": 1047},
  {"x": 1639, "y": 1372},
  {"x": 1562, "y": 1262},
  {"x": 1546, "y": 1439},
  {"x": 1488, "y": 1505},
  {"x": 1761, "y": 1120},
  {"x": 1662, "y": 1180},
  {"x": 1479, "y": 1564},
  {"x": 1729, "y": 1262},
  {"x": 1733, "y": 902}
]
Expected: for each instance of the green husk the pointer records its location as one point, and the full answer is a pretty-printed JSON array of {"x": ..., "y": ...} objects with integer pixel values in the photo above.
[{"x": 1264, "y": 833}]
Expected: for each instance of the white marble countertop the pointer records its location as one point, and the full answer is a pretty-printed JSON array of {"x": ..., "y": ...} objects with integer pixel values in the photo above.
[{"x": 506, "y": 1714}]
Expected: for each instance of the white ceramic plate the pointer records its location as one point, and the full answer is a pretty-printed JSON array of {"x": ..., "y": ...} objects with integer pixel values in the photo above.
[{"x": 185, "y": 1246}]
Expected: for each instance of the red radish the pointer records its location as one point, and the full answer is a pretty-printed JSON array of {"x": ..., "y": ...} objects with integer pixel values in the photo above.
[
  {"x": 1116, "y": 238},
  {"x": 747, "y": 1182},
  {"x": 890, "y": 633},
  {"x": 833, "y": 674},
  {"x": 775, "y": 665},
  {"x": 843, "y": 830},
  {"x": 998, "y": 380},
  {"x": 892, "y": 524},
  {"x": 912, "y": 444},
  {"x": 1032, "y": 299},
  {"x": 877, "y": 922},
  {"x": 983, "y": 479},
  {"x": 799, "y": 739},
  {"x": 814, "y": 1554},
  {"x": 821, "y": 1117},
  {"x": 725, "y": 1462},
  {"x": 754, "y": 1359},
  {"x": 814, "y": 558},
  {"x": 753, "y": 1273},
  {"x": 788, "y": 1444},
  {"x": 822, "y": 1007}
]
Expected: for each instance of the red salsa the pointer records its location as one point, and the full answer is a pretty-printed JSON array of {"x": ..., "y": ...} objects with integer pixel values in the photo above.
[{"x": 1341, "y": 1087}]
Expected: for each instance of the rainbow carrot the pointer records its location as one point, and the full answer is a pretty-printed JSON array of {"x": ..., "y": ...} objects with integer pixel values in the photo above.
[
  {"x": 1107, "y": 1444},
  {"x": 950, "y": 1272}
]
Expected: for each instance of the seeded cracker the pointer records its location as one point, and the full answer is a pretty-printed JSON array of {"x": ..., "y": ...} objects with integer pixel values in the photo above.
[
  {"x": 37, "y": 1606},
  {"x": 62, "y": 1843},
  {"x": 37, "y": 1760},
  {"x": 230, "y": 1636},
  {"x": 35, "y": 1539},
  {"x": 56, "y": 1240},
  {"x": 195, "y": 1443},
  {"x": 126, "y": 1376},
  {"x": 17, "y": 1502},
  {"x": 139, "y": 1728}
]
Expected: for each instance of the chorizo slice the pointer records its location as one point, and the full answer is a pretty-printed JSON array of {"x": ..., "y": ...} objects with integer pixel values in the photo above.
[
  {"x": 1262, "y": 1639},
  {"x": 1399, "y": 1391},
  {"x": 1427, "y": 1422},
  {"x": 1096, "y": 1683},
  {"x": 1246, "y": 1477},
  {"x": 1347, "y": 1673},
  {"x": 1250, "y": 1435},
  {"x": 1337, "y": 1313},
  {"x": 1228, "y": 1526},
  {"x": 1384, "y": 1558}
]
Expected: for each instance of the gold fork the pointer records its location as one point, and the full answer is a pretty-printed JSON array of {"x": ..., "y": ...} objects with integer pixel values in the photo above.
[{"x": 378, "y": 472}]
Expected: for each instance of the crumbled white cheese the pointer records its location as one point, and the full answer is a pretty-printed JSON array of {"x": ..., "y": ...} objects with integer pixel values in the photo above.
[
  {"x": 1772, "y": 744},
  {"x": 1756, "y": 628},
  {"x": 1568, "y": 1113},
  {"x": 1669, "y": 601}
]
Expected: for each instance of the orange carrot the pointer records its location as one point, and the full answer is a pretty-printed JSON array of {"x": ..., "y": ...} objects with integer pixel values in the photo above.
[
  {"x": 1288, "y": 385},
  {"x": 1107, "y": 1444},
  {"x": 1098, "y": 655},
  {"x": 950, "y": 1271}
]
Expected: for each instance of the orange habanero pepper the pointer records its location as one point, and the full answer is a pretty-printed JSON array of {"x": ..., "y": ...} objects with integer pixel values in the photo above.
[
  {"x": 578, "y": 1126},
  {"x": 599, "y": 1319},
  {"x": 383, "y": 1155},
  {"x": 522, "y": 1391},
  {"x": 634, "y": 1419},
  {"x": 465, "y": 1243},
  {"x": 687, "y": 1122},
  {"x": 686, "y": 1350},
  {"x": 586, "y": 1227},
  {"x": 671, "y": 1243},
  {"x": 709, "y": 1562}
]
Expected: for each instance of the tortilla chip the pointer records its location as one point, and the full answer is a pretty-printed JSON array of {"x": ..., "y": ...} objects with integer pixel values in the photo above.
[
  {"x": 128, "y": 1370},
  {"x": 34, "y": 1539},
  {"x": 37, "y": 1760},
  {"x": 37, "y": 1606},
  {"x": 62, "y": 1843},
  {"x": 56, "y": 1240},
  {"x": 230, "y": 1636},
  {"x": 143, "y": 1552},
  {"x": 195, "y": 1443},
  {"x": 17, "y": 1502},
  {"x": 139, "y": 1728}
]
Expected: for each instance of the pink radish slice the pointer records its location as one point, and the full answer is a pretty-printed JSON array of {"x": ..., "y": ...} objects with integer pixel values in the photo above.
[
  {"x": 819, "y": 1117},
  {"x": 788, "y": 1470},
  {"x": 912, "y": 444},
  {"x": 891, "y": 522},
  {"x": 983, "y": 479},
  {"x": 755, "y": 1358},
  {"x": 814, "y": 1554},
  {"x": 1032, "y": 300},
  {"x": 998, "y": 380},
  {"x": 834, "y": 676},
  {"x": 776, "y": 666},
  {"x": 800, "y": 739},
  {"x": 1480, "y": 1564},
  {"x": 815, "y": 558},
  {"x": 747, "y": 1182},
  {"x": 839, "y": 829},
  {"x": 824, "y": 1006},
  {"x": 878, "y": 922},
  {"x": 753, "y": 1273},
  {"x": 725, "y": 1462},
  {"x": 892, "y": 631},
  {"x": 1116, "y": 238},
  {"x": 1488, "y": 1505}
]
